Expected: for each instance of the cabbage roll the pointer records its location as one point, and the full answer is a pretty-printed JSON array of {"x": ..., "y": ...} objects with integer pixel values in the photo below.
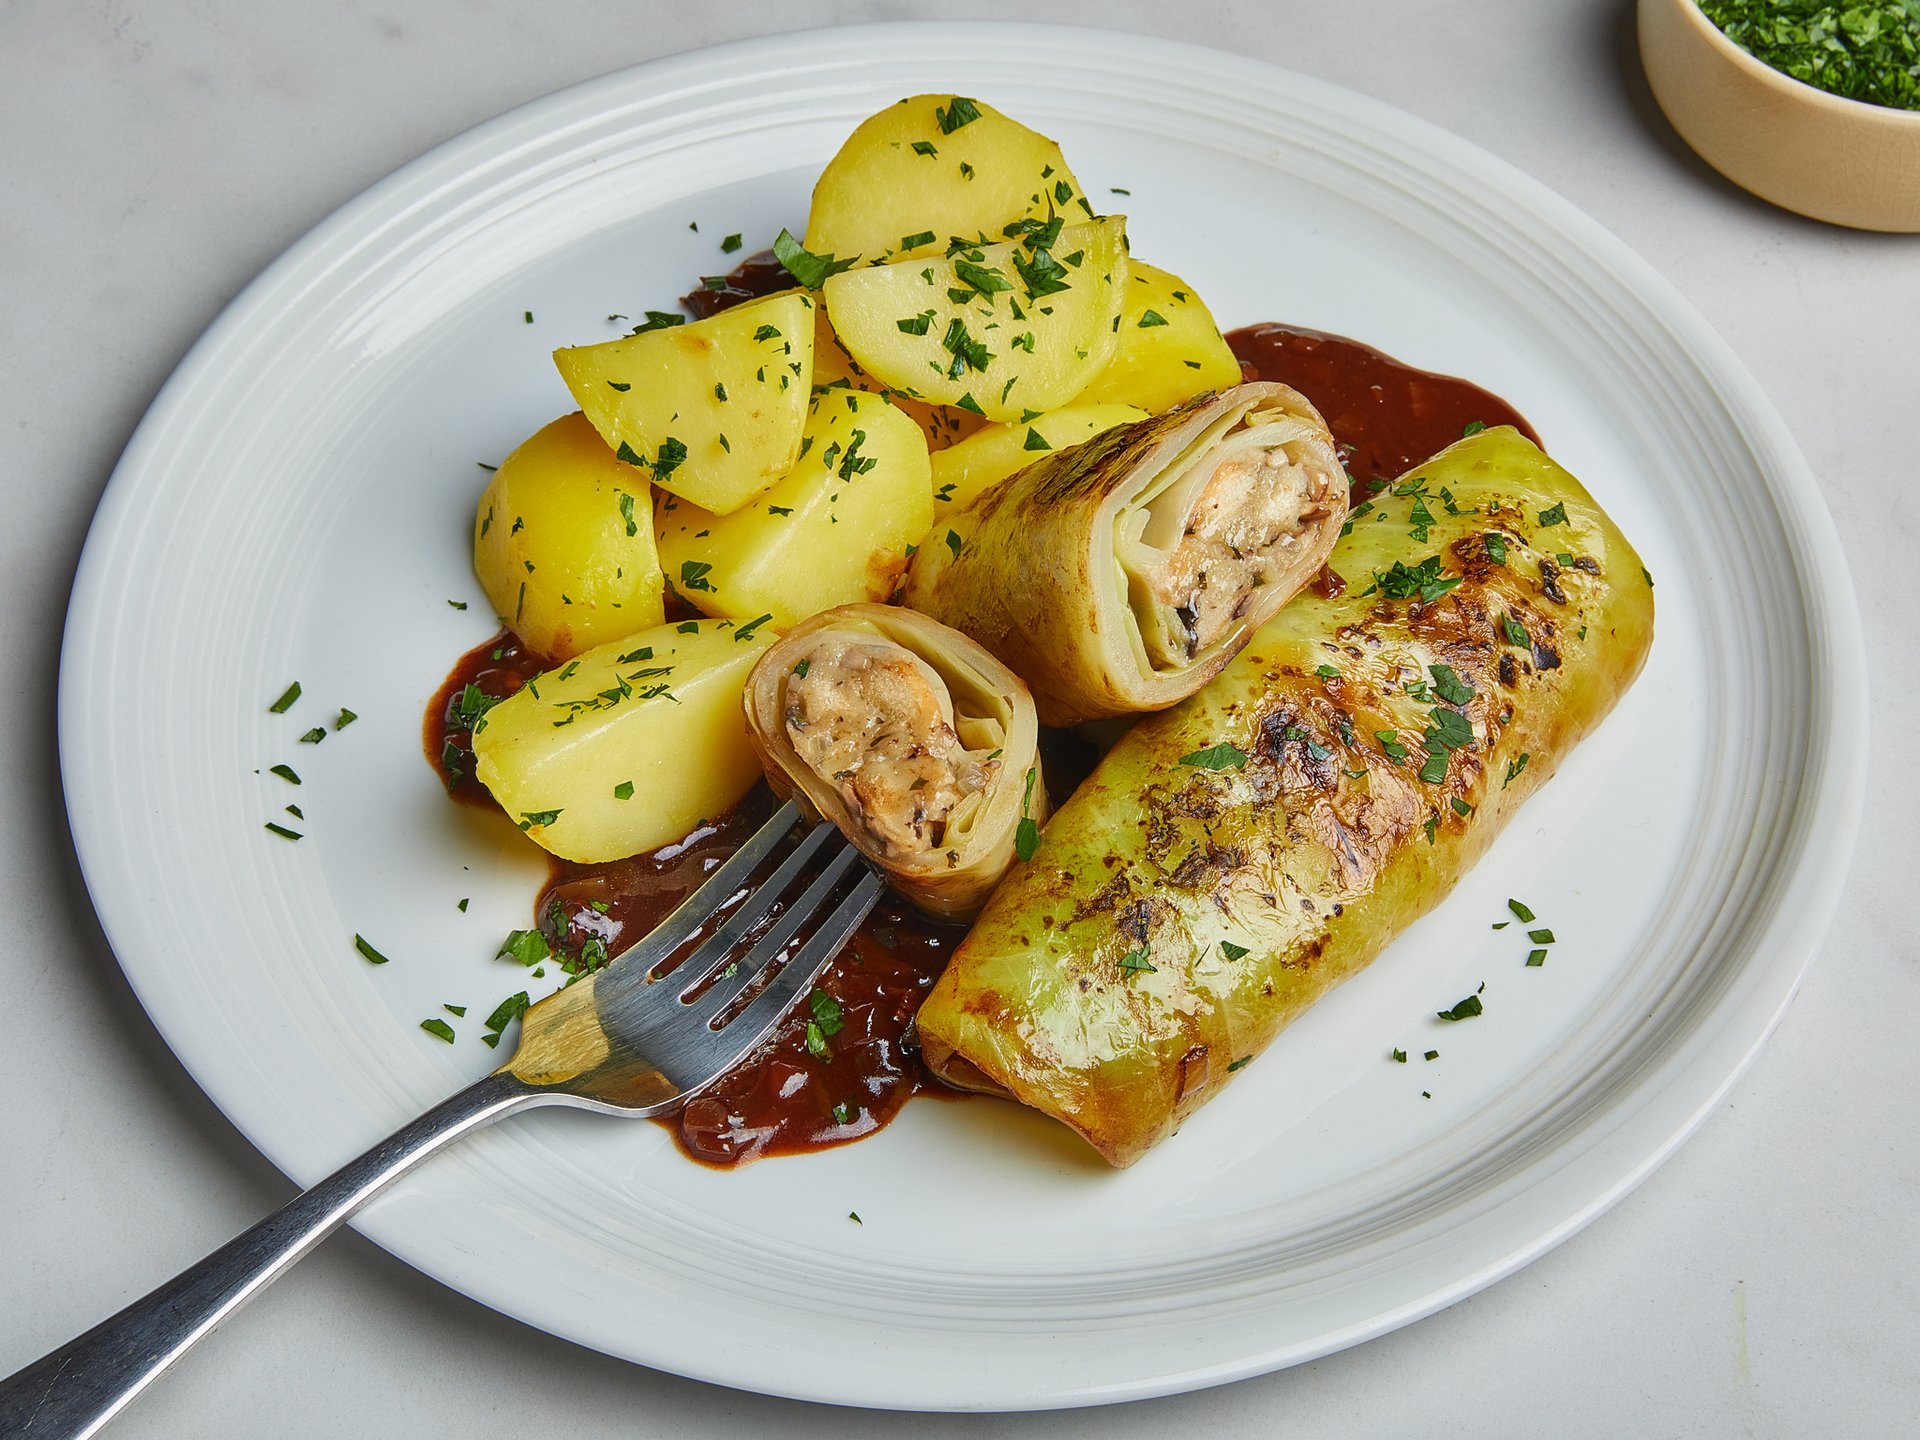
[
  {"x": 1232, "y": 860},
  {"x": 912, "y": 739},
  {"x": 1118, "y": 576}
]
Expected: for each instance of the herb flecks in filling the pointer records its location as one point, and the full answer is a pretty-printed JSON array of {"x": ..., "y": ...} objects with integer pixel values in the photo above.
[
  {"x": 877, "y": 724},
  {"x": 1236, "y": 530}
]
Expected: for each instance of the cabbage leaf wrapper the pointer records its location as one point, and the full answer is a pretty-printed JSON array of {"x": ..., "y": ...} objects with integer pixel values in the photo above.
[
  {"x": 913, "y": 740},
  {"x": 1235, "y": 858},
  {"x": 1118, "y": 576}
]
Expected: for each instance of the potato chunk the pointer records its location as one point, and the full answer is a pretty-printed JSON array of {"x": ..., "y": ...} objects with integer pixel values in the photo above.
[
  {"x": 998, "y": 329},
  {"x": 714, "y": 409},
  {"x": 941, "y": 424},
  {"x": 834, "y": 531},
  {"x": 931, "y": 167},
  {"x": 1170, "y": 350},
  {"x": 628, "y": 746},
  {"x": 994, "y": 452},
  {"x": 563, "y": 542}
]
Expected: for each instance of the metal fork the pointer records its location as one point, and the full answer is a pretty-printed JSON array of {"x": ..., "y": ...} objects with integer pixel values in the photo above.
[{"x": 620, "y": 1041}]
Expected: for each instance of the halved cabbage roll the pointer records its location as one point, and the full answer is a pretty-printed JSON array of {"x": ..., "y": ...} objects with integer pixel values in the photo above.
[
  {"x": 1232, "y": 860},
  {"x": 912, "y": 739},
  {"x": 1120, "y": 575}
]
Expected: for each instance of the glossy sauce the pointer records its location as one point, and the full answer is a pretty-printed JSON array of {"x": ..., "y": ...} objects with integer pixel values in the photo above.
[
  {"x": 783, "y": 1098},
  {"x": 1386, "y": 417}
]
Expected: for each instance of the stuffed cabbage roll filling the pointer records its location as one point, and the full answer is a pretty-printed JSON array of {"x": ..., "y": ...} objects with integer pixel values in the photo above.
[
  {"x": 878, "y": 723},
  {"x": 1229, "y": 516}
]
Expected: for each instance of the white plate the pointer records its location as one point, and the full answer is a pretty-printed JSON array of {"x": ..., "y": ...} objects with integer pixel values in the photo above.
[{"x": 297, "y": 504}]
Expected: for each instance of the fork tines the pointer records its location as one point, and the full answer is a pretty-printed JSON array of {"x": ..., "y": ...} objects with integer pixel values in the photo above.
[{"x": 711, "y": 1008}]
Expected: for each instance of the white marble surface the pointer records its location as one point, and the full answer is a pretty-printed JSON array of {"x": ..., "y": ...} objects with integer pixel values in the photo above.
[{"x": 153, "y": 157}]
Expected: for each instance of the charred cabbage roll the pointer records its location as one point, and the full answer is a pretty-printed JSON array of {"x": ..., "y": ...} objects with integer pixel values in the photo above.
[
  {"x": 1232, "y": 860},
  {"x": 1120, "y": 575},
  {"x": 912, "y": 739}
]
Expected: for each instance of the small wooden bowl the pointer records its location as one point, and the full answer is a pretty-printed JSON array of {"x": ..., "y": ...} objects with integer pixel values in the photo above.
[{"x": 1843, "y": 161}]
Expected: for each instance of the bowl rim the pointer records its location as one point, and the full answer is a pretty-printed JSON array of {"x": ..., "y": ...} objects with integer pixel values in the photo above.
[{"x": 1842, "y": 107}]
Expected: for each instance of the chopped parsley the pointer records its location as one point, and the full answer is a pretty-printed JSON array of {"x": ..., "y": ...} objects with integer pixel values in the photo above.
[
  {"x": 1867, "y": 51},
  {"x": 1449, "y": 686},
  {"x": 1151, "y": 318},
  {"x": 1223, "y": 756},
  {"x": 1557, "y": 515},
  {"x": 313, "y": 736},
  {"x": 730, "y": 244},
  {"x": 529, "y": 947},
  {"x": 968, "y": 353},
  {"x": 1536, "y": 958},
  {"x": 659, "y": 320},
  {"x": 1465, "y": 1010},
  {"x": 373, "y": 956},
  {"x": 285, "y": 772},
  {"x": 826, "y": 1013},
  {"x": 1240, "y": 1064},
  {"x": 437, "y": 1026},
  {"x": 984, "y": 279},
  {"x": 1514, "y": 767},
  {"x": 1399, "y": 1057},
  {"x": 287, "y": 697},
  {"x": 1135, "y": 961},
  {"x": 803, "y": 265},
  {"x": 283, "y": 832},
  {"x": 1026, "y": 836},
  {"x": 1472, "y": 427},
  {"x": 961, "y": 111},
  {"x": 504, "y": 1014},
  {"x": 693, "y": 575},
  {"x": 1231, "y": 950},
  {"x": 1035, "y": 440},
  {"x": 624, "y": 790},
  {"x": 1424, "y": 582},
  {"x": 1520, "y": 912},
  {"x": 817, "y": 1042},
  {"x": 531, "y": 818},
  {"x": 953, "y": 544},
  {"x": 672, "y": 452}
]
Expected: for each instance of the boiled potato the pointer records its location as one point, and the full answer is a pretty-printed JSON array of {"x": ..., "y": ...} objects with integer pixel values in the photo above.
[
  {"x": 1170, "y": 350},
  {"x": 714, "y": 410},
  {"x": 994, "y": 452},
  {"x": 563, "y": 542},
  {"x": 834, "y": 531},
  {"x": 1002, "y": 330},
  {"x": 931, "y": 167},
  {"x": 941, "y": 424},
  {"x": 629, "y": 745}
]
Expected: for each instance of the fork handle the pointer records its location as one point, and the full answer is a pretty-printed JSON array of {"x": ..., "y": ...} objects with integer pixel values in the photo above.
[{"x": 79, "y": 1387}]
